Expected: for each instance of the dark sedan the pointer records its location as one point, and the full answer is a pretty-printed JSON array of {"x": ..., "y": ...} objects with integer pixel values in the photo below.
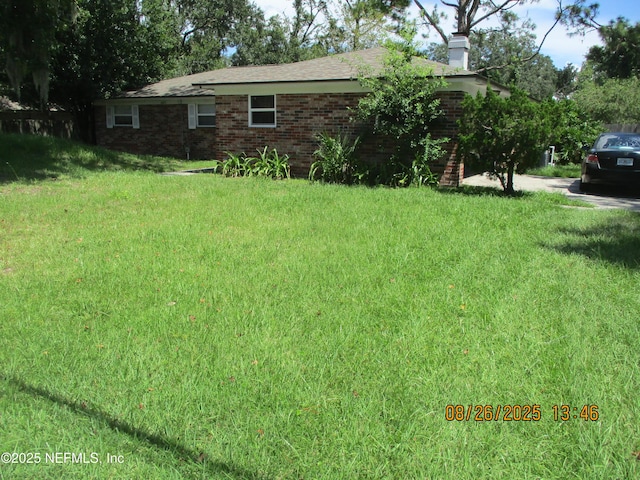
[{"x": 614, "y": 159}]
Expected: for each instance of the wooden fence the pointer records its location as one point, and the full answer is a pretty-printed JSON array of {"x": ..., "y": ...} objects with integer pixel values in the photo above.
[{"x": 55, "y": 124}]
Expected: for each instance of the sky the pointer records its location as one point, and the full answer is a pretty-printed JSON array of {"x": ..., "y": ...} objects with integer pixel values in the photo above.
[{"x": 562, "y": 48}]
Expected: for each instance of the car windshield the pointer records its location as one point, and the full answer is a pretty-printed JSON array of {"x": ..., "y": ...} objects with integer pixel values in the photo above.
[{"x": 616, "y": 141}]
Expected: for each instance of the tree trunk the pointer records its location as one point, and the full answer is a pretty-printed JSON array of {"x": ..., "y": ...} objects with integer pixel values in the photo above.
[{"x": 510, "y": 171}]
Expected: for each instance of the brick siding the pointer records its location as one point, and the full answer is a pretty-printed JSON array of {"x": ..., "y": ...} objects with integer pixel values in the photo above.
[
  {"x": 451, "y": 170},
  {"x": 299, "y": 118},
  {"x": 164, "y": 131}
]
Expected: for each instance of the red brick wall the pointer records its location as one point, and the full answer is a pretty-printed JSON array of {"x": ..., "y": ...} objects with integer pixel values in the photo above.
[
  {"x": 451, "y": 169},
  {"x": 163, "y": 131},
  {"x": 300, "y": 117}
]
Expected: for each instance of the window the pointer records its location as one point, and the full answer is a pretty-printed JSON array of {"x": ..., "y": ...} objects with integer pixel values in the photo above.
[
  {"x": 262, "y": 110},
  {"x": 202, "y": 115},
  {"x": 123, "y": 116}
]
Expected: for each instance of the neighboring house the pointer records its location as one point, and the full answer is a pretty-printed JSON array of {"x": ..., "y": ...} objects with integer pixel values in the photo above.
[{"x": 241, "y": 109}]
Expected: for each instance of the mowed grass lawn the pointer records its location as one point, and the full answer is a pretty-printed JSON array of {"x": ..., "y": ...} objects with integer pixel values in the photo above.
[{"x": 201, "y": 327}]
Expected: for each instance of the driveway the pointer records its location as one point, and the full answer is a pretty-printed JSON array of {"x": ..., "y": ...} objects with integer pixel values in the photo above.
[{"x": 602, "y": 197}]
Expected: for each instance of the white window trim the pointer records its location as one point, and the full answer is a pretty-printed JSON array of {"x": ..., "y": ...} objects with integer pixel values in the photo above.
[
  {"x": 263, "y": 125},
  {"x": 135, "y": 118},
  {"x": 194, "y": 117}
]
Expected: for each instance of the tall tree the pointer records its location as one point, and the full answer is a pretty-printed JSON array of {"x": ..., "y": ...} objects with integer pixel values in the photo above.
[
  {"x": 27, "y": 32},
  {"x": 207, "y": 29},
  {"x": 508, "y": 55},
  {"x": 609, "y": 82},
  {"x": 317, "y": 28},
  {"x": 504, "y": 135},
  {"x": 469, "y": 14},
  {"x": 619, "y": 57},
  {"x": 566, "y": 82},
  {"x": 267, "y": 42},
  {"x": 114, "y": 45},
  {"x": 365, "y": 23},
  {"x": 285, "y": 39}
]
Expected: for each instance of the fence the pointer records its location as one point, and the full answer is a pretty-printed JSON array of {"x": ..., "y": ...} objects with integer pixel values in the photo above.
[{"x": 55, "y": 124}]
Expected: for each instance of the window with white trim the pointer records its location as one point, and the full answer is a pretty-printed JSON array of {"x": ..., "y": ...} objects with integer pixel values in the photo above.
[
  {"x": 262, "y": 110},
  {"x": 123, "y": 116},
  {"x": 202, "y": 115}
]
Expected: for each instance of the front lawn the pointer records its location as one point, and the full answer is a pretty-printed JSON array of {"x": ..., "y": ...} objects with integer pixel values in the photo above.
[
  {"x": 571, "y": 170},
  {"x": 208, "y": 327}
]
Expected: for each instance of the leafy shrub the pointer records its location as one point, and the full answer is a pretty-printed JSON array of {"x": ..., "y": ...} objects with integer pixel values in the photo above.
[
  {"x": 399, "y": 174},
  {"x": 270, "y": 164},
  {"x": 337, "y": 161},
  {"x": 232, "y": 166},
  {"x": 267, "y": 164},
  {"x": 402, "y": 106},
  {"x": 572, "y": 130},
  {"x": 504, "y": 135}
]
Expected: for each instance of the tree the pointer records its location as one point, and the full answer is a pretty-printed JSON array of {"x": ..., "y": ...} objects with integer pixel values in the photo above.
[
  {"x": 572, "y": 129},
  {"x": 619, "y": 57},
  {"x": 566, "y": 82},
  {"x": 581, "y": 16},
  {"x": 469, "y": 14},
  {"x": 360, "y": 24},
  {"x": 504, "y": 135},
  {"x": 283, "y": 39},
  {"x": 207, "y": 28},
  {"x": 317, "y": 28},
  {"x": 112, "y": 46},
  {"x": 612, "y": 101},
  {"x": 506, "y": 55},
  {"x": 266, "y": 43},
  {"x": 402, "y": 108},
  {"x": 609, "y": 82},
  {"x": 27, "y": 33}
]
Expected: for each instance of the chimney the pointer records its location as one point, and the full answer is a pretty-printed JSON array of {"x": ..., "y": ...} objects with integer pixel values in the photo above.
[{"x": 459, "y": 51}]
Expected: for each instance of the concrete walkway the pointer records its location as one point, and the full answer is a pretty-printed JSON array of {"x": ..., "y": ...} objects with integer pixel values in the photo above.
[{"x": 603, "y": 197}]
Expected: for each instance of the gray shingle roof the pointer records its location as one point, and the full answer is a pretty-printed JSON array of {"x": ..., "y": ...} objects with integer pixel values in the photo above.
[{"x": 345, "y": 66}]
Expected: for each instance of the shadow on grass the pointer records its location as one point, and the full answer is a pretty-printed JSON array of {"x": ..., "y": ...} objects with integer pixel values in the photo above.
[
  {"x": 615, "y": 241},
  {"x": 183, "y": 454},
  {"x": 32, "y": 158},
  {"x": 476, "y": 191}
]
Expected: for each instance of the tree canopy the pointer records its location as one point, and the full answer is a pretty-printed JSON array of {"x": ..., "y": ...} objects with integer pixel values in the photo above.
[
  {"x": 608, "y": 86},
  {"x": 507, "y": 55},
  {"x": 504, "y": 135},
  {"x": 27, "y": 33},
  {"x": 619, "y": 57}
]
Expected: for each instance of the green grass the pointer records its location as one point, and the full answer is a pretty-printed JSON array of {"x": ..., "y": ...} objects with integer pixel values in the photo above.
[
  {"x": 210, "y": 327},
  {"x": 28, "y": 158},
  {"x": 564, "y": 171}
]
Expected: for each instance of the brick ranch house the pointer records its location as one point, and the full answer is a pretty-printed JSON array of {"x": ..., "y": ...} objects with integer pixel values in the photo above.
[{"x": 241, "y": 109}]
